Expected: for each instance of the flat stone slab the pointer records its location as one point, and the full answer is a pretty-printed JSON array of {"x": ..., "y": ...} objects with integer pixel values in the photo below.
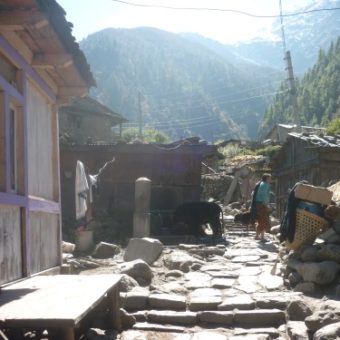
[
  {"x": 250, "y": 271},
  {"x": 271, "y": 331},
  {"x": 145, "y": 326},
  {"x": 250, "y": 337},
  {"x": 167, "y": 301},
  {"x": 222, "y": 283},
  {"x": 207, "y": 335},
  {"x": 197, "y": 280},
  {"x": 247, "y": 284},
  {"x": 245, "y": 259},
  {"x": 171, "y": 317},
  {"x": 259, "y": 317},
  {"x": 230, "y": 253},
  {"x": 204, "y": 303},
  {"x": 226, "y": 266},
  {"x": 224, "y": 274},
  {"x": 241, "y": 302},
  {"x": 279, "y": 300},
  {"x": 270, "y": 282},
  {"x": 205, "y": 292},
  {"x": 224, "y": 318}
]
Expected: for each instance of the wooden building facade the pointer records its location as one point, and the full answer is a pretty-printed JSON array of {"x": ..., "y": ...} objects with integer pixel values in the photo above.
[
  {"x": 313, "y": 158},
  {"x": 41, "y": 67}
]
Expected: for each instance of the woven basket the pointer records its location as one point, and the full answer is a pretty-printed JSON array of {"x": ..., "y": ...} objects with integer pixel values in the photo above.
[{"x": 308, "y": 227}]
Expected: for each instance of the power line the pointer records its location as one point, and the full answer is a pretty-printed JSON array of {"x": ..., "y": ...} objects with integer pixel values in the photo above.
[
  {"x": 201, "y": 120},
  {"x": 221, "y": 102},
  {"x": 226, "y": 10}
]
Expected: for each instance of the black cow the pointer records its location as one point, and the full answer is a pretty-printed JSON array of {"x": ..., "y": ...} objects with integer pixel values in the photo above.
[{"x": 195, "y": 214}]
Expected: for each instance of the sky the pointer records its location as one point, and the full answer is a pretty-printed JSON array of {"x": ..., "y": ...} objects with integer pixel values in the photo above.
[{"x": 89, "y": 16}]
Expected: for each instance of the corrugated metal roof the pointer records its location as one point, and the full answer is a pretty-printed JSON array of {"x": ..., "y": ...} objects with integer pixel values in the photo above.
[{"x": 318, "y": 140}]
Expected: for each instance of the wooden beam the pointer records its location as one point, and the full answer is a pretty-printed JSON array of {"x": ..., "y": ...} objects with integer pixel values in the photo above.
[
  {"x": 72, "y": 91},
  {"x": 16, "y": 19},
  {"x": 61, "y": 60},
  {"x": 21, "y": 62}
]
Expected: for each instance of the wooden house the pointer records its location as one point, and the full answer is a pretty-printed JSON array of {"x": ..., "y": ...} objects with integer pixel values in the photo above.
[
  {"x": 309, "y": 157},
  {"x": 85, "y": 120},
  {"x": 41, "y": 68}
]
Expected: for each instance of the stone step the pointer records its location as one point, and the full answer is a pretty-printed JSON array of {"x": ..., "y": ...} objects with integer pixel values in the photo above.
[
  {"x": 156, "y": 332},
  {"x": 256, "y": 318},
  {"x": 208, "y": 299}
]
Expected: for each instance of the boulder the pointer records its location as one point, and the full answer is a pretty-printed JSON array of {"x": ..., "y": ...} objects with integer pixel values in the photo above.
[
  {"x": 321, "y": 273},
  {"x": 322, "y": 318},
  {"x": 68, "y": 247},
  {"x": 298, "y": 310},
  {"x": 297, "y": 330},
  {"x": 180, "y": 260},
  {"x": 328, "y": 332},
  {"x": 105, "y": 250},
  {"x": 139, "y": 270},
  {"x": 146, "y": 249},
  {"x": 127, "y": 283}
]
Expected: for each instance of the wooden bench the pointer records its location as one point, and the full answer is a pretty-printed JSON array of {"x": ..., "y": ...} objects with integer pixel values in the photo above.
[{"x": 58, "y": 302}]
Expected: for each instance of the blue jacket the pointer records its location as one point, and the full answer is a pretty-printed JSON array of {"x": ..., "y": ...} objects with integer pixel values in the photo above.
[{"x": 263, "y": 193}]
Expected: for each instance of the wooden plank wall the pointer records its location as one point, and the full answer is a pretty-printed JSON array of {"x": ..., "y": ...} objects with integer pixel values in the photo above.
[
  {"x": 10, "y": 244},
  {"x": 44, "y": 241},
  {"x": 40, "y": 145}
]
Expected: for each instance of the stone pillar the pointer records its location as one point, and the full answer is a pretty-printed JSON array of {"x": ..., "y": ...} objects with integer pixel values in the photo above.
[{"x": 141, "y": 216}]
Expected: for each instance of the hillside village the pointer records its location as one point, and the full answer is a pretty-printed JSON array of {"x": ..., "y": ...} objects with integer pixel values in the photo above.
[{"x": 109, "y": 233}]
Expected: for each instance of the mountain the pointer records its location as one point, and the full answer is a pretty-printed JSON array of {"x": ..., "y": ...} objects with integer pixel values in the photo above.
[
  {"x": 180, "y": 86},
  {"x": 318, "y": 94},
  {"x": 305, "y": 35}
]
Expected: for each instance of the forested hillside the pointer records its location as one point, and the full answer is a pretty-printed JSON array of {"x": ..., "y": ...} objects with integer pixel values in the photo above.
[
  {"x": 318, "y": 94},
  {"x": 180, "y": 86}
]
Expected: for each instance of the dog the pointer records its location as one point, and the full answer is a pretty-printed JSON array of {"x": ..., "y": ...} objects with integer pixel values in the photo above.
[{"x": 244, "y": 218}]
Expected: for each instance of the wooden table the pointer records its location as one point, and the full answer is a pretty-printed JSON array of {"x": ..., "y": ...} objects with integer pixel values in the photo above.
[{"x": 58, "y": 302}]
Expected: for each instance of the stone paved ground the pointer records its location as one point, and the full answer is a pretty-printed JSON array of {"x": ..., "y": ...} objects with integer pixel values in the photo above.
[{"x": 233, "y": 291}]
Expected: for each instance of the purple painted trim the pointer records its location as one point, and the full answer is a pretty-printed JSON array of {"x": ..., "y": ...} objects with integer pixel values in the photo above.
[
  {"x": 26, "y": 254},
  {"x": 27, "y": 226},
  {"x": 26, "y": 67},
  {"x": 33, "y": 204},
  {"x": 7, "y": 142},
  {"x": 36, "y": 204},
  {"x": 25, "y": 117},
  {"x": 11, "y": 90},
  {"x": 13, "y": 199}
]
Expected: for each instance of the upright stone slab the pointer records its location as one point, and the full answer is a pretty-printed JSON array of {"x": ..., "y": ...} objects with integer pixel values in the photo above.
[{"x": 141, "y": 216}]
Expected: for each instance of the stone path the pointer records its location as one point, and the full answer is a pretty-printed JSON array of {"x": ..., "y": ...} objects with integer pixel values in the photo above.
[{"x": 224, "y": 292}]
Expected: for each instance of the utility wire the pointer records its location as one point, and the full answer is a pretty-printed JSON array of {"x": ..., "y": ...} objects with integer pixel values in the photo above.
[
  {"x": 200, "y": 104},
  {"x": 227, "y": 10},
  {"x": 192, "y": 121},
  {"x": 217, "y": 89}
]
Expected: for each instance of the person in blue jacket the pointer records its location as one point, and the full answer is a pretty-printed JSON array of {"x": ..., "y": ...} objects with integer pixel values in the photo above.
[{"x": 260, "y": 209}]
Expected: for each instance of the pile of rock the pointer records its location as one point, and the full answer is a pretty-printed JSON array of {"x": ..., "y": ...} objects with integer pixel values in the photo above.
[{"x": 316, "y": 268}]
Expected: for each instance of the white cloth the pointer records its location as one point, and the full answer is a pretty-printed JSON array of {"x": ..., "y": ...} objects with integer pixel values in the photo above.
[{"x": 81, "y": 190}]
